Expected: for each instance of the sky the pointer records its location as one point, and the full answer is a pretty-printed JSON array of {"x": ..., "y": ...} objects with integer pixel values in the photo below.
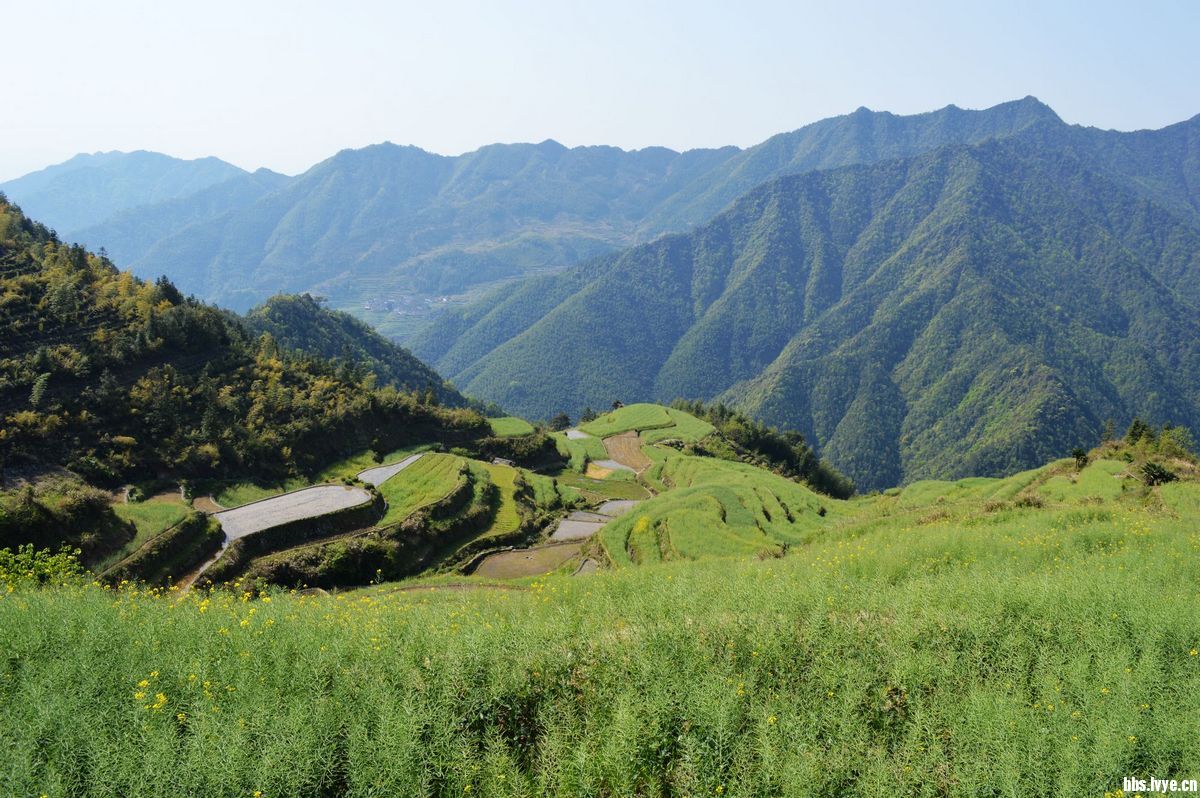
[{"x": 287, "y": 84}]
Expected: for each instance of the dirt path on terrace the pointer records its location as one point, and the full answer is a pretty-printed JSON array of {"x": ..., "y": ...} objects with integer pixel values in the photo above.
[
  {"x": 206, "y": 504},
  {"x": 626, "y": 449}
]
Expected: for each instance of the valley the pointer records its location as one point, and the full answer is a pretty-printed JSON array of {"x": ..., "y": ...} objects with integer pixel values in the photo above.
[{"x": 857, "y": 462}]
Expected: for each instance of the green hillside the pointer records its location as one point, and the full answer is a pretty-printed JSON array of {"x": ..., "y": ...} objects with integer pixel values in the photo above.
[
  {"x": 124, "y": 381},
  {"x": 974, "y": 310},
  {"x": 302, "y": 324},
  {"x": 384, "y": 230},
  {"x": 91, "y": 188},
  {"x": 1021, "y": 635}
]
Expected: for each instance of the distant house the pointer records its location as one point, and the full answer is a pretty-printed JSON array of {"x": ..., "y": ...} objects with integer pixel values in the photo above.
[{"x": 503, "y": 462}]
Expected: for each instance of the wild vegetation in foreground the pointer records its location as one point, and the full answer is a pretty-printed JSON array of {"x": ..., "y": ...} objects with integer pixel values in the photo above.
[{"x": 1029, "y": 636}]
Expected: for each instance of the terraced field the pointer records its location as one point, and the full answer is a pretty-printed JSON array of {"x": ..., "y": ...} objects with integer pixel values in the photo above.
[
  {"x": 634, "y": 417},
  {"x": 579, "y": 450},
  {"x": 506, "y": 519},
  {"x": 428, "y": 479},
  {"x": 521, "y": 563},
  {"x": 653, "y": 422},
  {"x": 510, "y": 427},
  {"x": 307, "y": 503},
  {"x": 715, "y": 508},
  {"x": 238, "y": 493},
  {"x": 150, "y": 518},
  {"x": 380, "y": 474}
]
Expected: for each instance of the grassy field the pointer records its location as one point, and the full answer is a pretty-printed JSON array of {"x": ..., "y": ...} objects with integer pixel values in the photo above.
[
  {"x": 654, "y": 422},
  {"x": 714, "y": 508},
  {"x": 422, "y": 483},
  {"x": 510, "y": 426},
  {"x": 580, "y": 450},
  {"x": 151, "y": 518},
  {"x": 599, "y": 489},
  {"x": 506, "y": 519},
  {"x": 912, "y": 649}
]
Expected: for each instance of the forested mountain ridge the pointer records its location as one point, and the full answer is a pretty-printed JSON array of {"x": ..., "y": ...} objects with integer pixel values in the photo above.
[
  {"x": 387, "y": 221},
  {"x": 90, "y": 188},
  {"x": 116, "y": 378},
  {"x": 301, "y": 323},
  {"x": 970, "y": 310}
]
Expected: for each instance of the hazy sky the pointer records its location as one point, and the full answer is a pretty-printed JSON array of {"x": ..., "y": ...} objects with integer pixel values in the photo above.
[{"x": 286, "y": 84}]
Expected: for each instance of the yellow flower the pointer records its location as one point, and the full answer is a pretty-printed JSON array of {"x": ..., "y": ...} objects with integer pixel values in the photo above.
[
  {"x": 1192, "y": 653},
  {"x": 258, "y": 794},
  {"x": 143, "y": 683},
  {"x": 771, "y": 721}
]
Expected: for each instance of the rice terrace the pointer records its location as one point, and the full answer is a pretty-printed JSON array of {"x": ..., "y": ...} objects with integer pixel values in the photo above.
[
  {"x": 556, "y": 401},
  {"x": 802, "y": 627}
]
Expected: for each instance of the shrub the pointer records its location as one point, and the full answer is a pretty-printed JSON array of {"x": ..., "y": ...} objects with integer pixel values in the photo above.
[{"x": 1155, "y": 474}]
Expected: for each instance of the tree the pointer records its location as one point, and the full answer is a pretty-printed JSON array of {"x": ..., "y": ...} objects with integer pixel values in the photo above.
[
  {"x": 587, "y": 415},
  {"x": 560, "y": 421},
  {"x": 1081, "y": 458},
  {"x": 1139, "y": 430},
  {"x": 1108, "y": 433}
]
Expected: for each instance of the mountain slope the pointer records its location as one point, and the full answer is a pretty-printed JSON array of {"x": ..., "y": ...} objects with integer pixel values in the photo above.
[
  {"x": 129, "y": 234},
  {"x": 389, "y": 222},
  {"x": 966, "y": 311},
  {"x": 300, "y": 323},
  {"x": 89, "y": 189},
  {"x": 118, "y": 379}
]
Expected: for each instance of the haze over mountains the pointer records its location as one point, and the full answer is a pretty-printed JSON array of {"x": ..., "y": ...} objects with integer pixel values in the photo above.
[
  {"x": 387, "y": 222},
  {"x": 957, "y": 292}
]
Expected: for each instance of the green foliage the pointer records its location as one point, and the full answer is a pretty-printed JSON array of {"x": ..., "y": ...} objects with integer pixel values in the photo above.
[
  {"x": 142, "y": 383},
  {"x": 845, "y": 665},
  {"x": 301, "y": 323},
  {"x": 62, "y": 510},
  {"x": 970, "y": 310},
  {"x": 1157, "y": 474},
  {"x": 510, "y": 426},
  {"x": 30, "y": 566}
]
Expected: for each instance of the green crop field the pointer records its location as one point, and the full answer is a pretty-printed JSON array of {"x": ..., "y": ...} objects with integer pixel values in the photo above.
[
  {"x": 424, "y": 482},
  {"x": 510, "y": 426},
  {"x": 550, "y": 491},
  {"x": 905, "y": 649},
  {"x": 579, "y": 450},
  {"x": 630, "y": 417},
  {"x": 716, "y": 508},
  {"x": 506, "y": 519},
  {"x": 597, "y": 489},
  {"x": 151, "y": 518}
]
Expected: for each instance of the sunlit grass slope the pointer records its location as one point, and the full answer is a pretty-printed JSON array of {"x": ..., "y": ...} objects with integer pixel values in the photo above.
[
  {"x": 654, "y": 422},
  {"x": 1024, "y": 651}
]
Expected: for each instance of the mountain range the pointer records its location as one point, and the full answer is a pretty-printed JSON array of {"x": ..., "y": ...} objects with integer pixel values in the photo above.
[
  {"x": 393, "y": 228},
  {"x": 923, "y": 296},
  {"x": 974, "y": 309}
]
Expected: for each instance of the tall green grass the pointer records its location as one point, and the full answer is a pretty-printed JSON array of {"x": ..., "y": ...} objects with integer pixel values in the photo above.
[
  {"x": 428, "y": 479},
  {"x": 510, "y": 426},
  {"x": 1025, "y": 652},
  {"x": 150, "y": 518}
]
